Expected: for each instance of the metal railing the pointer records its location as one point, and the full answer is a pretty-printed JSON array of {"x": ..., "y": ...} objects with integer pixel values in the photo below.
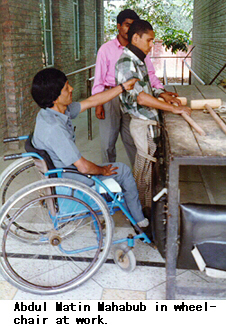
[
  {"x": 81, "y": 70},
  {"x": 165, "y": 78},
  {"x": 191, "y": 71},
  {"x": 88, "y": 93},
  {"x": 90, "y": 79}
]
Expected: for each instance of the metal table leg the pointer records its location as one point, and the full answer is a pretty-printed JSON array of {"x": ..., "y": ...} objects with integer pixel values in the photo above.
[{"x": 172, "y": 230}]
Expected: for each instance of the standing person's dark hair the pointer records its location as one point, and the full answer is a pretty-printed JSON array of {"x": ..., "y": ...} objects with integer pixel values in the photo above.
[
  {"x": 126, "y": 14},
  {"x": 139, "y": 27},
  {"x": 46, "y": 86}
]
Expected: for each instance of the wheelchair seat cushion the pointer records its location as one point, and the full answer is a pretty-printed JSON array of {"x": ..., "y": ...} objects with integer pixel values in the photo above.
[{"x": 112, "y": 185}]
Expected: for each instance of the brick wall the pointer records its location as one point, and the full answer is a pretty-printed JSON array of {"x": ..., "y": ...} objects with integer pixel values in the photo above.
[
  {"x": 21, "y": 55},
  {"x": 3, "y": 128},
  {"x": 209, "y": 38},
  {"x": 63, "y": 36},
  {"x": 21, "y": 48}
]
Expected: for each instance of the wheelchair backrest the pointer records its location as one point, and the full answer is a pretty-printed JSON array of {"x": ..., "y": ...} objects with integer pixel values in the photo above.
[
  {"x": 44, "y": 165},
  {"x": 30, "y": 148}
]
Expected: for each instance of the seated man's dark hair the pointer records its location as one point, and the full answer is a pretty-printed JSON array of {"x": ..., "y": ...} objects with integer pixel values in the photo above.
[
  {"x": 139, "y": 27},
  {"x": 46, "y": 86},
  {"x": 126, "y": 14}
]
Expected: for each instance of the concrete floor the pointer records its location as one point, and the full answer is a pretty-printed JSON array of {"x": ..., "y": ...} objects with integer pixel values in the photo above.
[{"x": 148, "y": 281}]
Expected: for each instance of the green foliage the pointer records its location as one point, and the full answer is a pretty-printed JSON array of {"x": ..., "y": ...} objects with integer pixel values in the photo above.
[
  {"x": 110, "y": 26},
  {"x": 162, "y": 14},
  {"x": 157, "y": 12},
  {"x": 176, "y": 40}
]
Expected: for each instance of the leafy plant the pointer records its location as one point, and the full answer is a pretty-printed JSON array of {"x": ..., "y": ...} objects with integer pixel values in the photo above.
[
  {"x": 161, "y": 14},
  {"x": 176, "y": 40}
]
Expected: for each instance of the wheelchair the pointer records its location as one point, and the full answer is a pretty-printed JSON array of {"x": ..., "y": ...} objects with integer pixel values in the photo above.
[{"x": 62, "y": 227}]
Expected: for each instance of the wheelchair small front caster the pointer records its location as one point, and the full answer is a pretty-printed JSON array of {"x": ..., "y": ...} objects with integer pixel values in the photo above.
[{"x": 124, "y": 258}]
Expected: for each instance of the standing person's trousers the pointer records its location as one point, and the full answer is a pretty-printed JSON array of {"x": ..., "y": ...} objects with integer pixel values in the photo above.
[{"x": 115, "y": 122}]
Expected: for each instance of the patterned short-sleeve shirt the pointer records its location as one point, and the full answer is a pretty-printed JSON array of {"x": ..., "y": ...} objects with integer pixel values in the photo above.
[{"x": 130, "y": 66}]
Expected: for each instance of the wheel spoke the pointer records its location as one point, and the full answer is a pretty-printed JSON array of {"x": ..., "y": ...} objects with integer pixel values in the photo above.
[{"x": 43, "y": 253}]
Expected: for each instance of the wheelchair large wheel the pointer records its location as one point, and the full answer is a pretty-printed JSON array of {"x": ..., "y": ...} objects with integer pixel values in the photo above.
[
  {"x": 54, "y": 262},
  {"x": 17, "y": 175}
]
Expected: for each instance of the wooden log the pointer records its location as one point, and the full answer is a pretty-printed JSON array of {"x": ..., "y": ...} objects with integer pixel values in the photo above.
[
  {"x": 182, "y": 99},
  {"x": 200, "y": 104},
  {"x": 216, "y": 118},
  {"x": 193, "y": 124}
]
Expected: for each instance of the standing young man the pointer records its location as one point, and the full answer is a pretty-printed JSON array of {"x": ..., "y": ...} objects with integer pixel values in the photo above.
[
  {"x": 142, "y": 104},
  {"x": 54, "y": 133},
  {"x": 111, "y": 119}
]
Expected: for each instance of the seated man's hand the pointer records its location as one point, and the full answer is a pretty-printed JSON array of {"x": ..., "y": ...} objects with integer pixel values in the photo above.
[
  {"x": 170, "y": 97},
  {"x": 100, "y": 112},
  {"x": 129, "y": 84},
  {"x": 109, "y": 170}
]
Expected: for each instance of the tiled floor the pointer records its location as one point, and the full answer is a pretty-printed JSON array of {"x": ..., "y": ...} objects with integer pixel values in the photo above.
[{"x": 148, "y": 280}]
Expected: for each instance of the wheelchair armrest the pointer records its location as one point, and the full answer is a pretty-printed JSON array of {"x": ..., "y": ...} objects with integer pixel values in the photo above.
[{"x": 71, "y": 170}]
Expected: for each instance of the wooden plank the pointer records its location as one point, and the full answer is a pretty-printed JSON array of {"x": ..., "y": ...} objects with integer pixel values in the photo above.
[
  {"x": 214, "y": 143},
  {"x": 182, "y": 141},
  {"x": 189, "y": 91},
  {"x": 222, "y": 88},
  {"x": 170, "y": 88},
  {"x": 212, "y": 91}
]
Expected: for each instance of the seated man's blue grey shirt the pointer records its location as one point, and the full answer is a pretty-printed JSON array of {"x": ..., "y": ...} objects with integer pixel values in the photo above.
[{"x": 54, "y": 133}]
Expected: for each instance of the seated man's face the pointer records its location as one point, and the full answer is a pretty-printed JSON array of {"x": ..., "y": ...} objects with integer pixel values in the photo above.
[
  {"x": 65, "y": 97},
  {"x": 144, "y": 42}
]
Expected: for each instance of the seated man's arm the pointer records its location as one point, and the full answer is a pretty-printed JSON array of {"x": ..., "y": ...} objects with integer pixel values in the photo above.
[
  {"x": 88, "y": 167},
  {"x": 106, "y": 96},
  {"x": 99, "y": 80}
]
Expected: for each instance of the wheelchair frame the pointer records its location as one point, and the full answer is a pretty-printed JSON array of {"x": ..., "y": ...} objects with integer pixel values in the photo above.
[{"x": 123, "y": 255}]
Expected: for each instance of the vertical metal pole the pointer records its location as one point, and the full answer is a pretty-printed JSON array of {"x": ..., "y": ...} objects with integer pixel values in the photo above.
[
  {"x": 183, "y": 67},
  {"x": 217, "y": 75},
  {"x": 172, "y": 231},
  {"x": 182, "y": 78},
  {"x": 189, "y": 77},
  {"x": 89, "y": 111}
]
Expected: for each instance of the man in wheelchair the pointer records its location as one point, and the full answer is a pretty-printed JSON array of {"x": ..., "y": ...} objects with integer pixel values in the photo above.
[{"x": 54, "y": 133}]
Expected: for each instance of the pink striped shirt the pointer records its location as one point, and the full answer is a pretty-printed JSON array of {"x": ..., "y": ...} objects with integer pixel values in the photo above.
[{"x": 107, "y": 56}]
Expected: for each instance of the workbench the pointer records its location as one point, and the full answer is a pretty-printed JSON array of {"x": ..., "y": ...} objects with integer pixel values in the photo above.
[{"x": 185, "y": 147}]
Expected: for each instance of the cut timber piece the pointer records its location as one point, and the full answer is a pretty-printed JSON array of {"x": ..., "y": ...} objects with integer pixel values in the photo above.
[
  {"x": 193, "y": 124},
  {"x": 182, "y": 99},
  {"x": 200, "y": 104},
  {"x": 216, "y": 118}
]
